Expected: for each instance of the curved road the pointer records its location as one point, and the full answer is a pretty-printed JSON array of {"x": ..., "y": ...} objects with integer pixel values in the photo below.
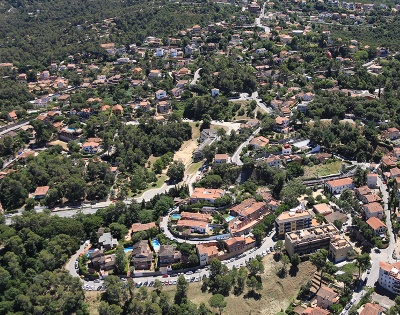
[{"x": 196, "y": 77}]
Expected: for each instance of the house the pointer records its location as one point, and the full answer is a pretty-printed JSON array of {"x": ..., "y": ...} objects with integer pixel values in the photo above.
[
  {"x": 155, "y": 74},
  {"x": 259, "y": 142},
  {"x": 238, "y": 243},
  {"x": 163, "y": 107},
  {"x": 117, "y": 109},
  {"x": 336, "y": 215},
  {"x": 214, "y": 92},
  {"x": 362, "y": 191},
  {"x": 372, "y": 180},
  {"x": 221, "y": 159},
  {"x": 142, "y": 256},
  {"x": 281, "y": 123},
  {"x": 12, "y": 116},
  {"x": 285, "y": 39},
  {"x": 90, "y": 147},
  {"x": 207, "y": 133},
  {"x": 168, "y": 255},
  {"x": 196, "y": 216},
  {"x": 377, "y": 226},
  {"x": 161, "y": 95},
  {"x": 41, "y": 192},
  {"x": 326, "y": 297},
  {"x": 337, "y": 186},
  {"x": 193, "y": 226},
  {"x": 273, "y": 161},
  {"x": 286, "y": 149},
  {"x": 391, "y": 133},
  {"x": 253, "y": 7},
  {"x": 396, "y": 152},
  {"x": 249, "y": 209},
  {"x": 206, "y": 253},
  {"x": 99, "y": 261},
  {"x": 177, "y": 92},
  {"x": 205, "y": 195},
  {"x": 372, "y": 309},
  {"x": 182, "y": 83},
  {"x": 394, "y": 172},
  {"x": 314, "y": 311},
  {"x": 139, "y": 227},
  {"x": 107, "y": 242},
  {"x": 371, "y": 198},
  {"x": 323, "y": 209},
  {"x": 373, "y": 209}
]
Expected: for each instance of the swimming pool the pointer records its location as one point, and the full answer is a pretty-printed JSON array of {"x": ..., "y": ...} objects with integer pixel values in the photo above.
[
  {"x": 128, "y": 249},
  {"x": 176, "y": 216},
  {"x": 231, "y": 217},
  {"x": 156, "y": 244}
]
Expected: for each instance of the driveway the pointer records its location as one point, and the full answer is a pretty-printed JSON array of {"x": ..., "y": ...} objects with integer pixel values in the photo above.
[{"x": 70, "y": 266}]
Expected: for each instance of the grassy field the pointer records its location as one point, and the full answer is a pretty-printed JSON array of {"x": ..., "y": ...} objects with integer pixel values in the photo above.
[
  {"x": 322, "y": 169},
  {"x": 194, "y": 167}
]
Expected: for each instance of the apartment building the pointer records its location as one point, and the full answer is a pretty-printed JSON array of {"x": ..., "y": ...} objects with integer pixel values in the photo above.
[
  {"x": 294, "y": 220},
  {"x": 389, "y": 276},
  {"x": 310, "y": 240}
]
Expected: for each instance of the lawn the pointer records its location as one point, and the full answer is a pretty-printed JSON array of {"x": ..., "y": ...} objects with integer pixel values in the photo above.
[
  {"x": 194, "y": 167},
  {"x": 350, "y": 268},
  {"x": 322, "y": 169},
  {"x": 160, "y": 181}
]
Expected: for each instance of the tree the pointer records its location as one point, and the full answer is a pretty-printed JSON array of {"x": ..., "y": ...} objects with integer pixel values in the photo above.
[
  {"x": 363, "y": 262},
  {"x": 107, "y": 309},
  {"x": 120, "y": 260},
  {"x": 319, "y": 260},
  {"x": 338, "y": 224},
  {"x": 181, "y": 290},
  {"x": 73, "y": 146},
  {"x": 294, "y": 169},
  {"x": 29, "y": 204},
  {"x": 255, "y": 267},
  {"x": 278, "y": 247},
  {"x": 217, "y": 301},
  {"x": 193, "y": 259},
  {"x": 206, "y": 124},
  {"x": 295, "y": 260},
  {"x": 157, "y": 286},
  {"x": 241, "y": 280},
  {"x": 320, "y": 218},
  {"x": 253, "y": 284},
  {"x": 176, "y": 171},
  {"x": 292, "y": 191}
]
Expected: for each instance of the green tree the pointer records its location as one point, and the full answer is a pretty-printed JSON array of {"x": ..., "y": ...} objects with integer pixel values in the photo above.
[
  {"x": 295, "y": 260},
  {"x": 29, "y": 204},
  {"x": 217, "y": 301},
  {"x": 255, "y": 267},
  {"x": 157, "y": 286},
  {"x": 363, "y": 262},
  {"x": 253, "y": 284},
  {"x": 181, "y": 290},
  {"x": 338, "y": 224},
  {"x": 120, "y": 260},
  {"x": 176, "y": 171},
  {"x": 318, "y": 259}
]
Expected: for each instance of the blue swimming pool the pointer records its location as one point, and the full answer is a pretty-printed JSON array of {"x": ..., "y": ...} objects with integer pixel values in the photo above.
[
  {"x": 176, "y": 216},
  {"x": 128, "y": 249},
  {"x": 231, "y": 217},
  {"x": 156, "y": 244}
]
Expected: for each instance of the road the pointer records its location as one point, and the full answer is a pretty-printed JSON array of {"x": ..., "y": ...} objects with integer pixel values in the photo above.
[
  {"x": 196, "y": 77},
  {"x": 258, "y": 23},
  {"x": 253, "y": 97},
  {"x": 13, "y": 127},
  {"x": 383, "y": 255},
  {"x": 236, "y": 156},
  {"x": 70, "y": 265}
]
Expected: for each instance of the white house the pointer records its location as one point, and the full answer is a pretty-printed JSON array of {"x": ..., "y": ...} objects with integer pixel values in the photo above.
[
  {"x": 159, "y": 52},
  {"x": 214, "y": 92},
  {"x": 161, "y": 94},
  {"x": 287, "y": 149},
  {"x": 90, "y": 147},
  {"x": 337, "y": 186}
]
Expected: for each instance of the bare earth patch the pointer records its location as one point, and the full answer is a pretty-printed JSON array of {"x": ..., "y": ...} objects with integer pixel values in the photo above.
[
  {"x": 276, "y": 294},
  {"x": 93, "y": 299}
]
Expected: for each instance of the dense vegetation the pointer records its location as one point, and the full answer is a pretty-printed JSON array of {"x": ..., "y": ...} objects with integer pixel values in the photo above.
[{"x": 32, "y": 251}]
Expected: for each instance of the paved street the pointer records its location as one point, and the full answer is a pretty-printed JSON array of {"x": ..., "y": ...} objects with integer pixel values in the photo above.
[
  {"x": 236, "y": 156},
  {"x": 196, "y": 77}
]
